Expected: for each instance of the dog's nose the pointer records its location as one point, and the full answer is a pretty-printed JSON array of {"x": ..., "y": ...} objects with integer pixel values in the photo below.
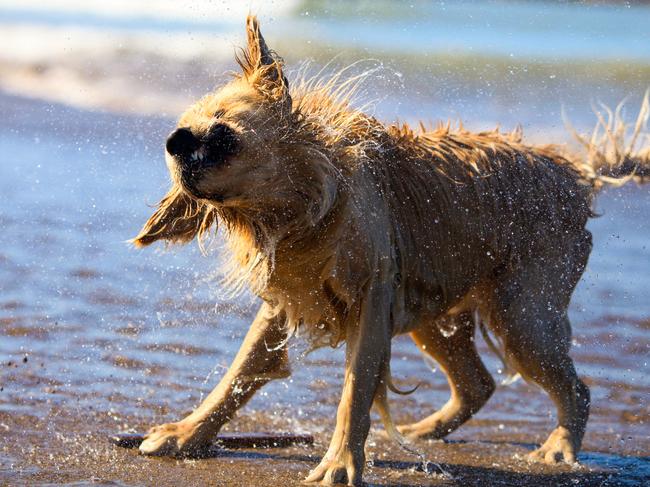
[{"x": 181, "y": 142}]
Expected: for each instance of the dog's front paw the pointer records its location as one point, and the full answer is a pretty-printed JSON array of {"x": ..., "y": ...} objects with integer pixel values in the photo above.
[
  {"x": 559, "y": 447},
  {"x": 173, "y": 439},
  {"x": 343, "y": 470}
]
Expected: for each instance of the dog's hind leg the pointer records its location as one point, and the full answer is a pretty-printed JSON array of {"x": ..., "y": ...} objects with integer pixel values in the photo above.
[
  {"x": 261, "y": 358},
  {"x": 538, "y": 350},
  {"x": 470, "y": 382},
  {"x": 530, "y": 316}
]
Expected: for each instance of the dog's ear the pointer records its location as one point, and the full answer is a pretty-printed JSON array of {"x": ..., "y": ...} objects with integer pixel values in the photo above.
[
  {"x": 261, "y": 66},
  {"x": 178, "y": 219}
]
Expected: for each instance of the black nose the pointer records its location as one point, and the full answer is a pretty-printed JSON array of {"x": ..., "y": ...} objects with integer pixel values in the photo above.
[{"x": 181, "y": 142}]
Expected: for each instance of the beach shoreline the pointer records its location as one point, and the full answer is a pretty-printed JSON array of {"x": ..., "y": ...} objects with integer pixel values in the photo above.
[{"x": 97, "y": 353}]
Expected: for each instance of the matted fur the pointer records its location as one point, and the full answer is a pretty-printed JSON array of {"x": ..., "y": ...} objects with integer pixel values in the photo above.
[
  {"x": 419, "y": 172},
  {"x": 610, "y": 153},
  {"x": 332, "y": 216}
]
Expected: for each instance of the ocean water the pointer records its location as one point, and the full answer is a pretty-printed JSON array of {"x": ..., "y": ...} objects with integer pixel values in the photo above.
[
  {"x": 484, "y": 62},
  {"x": 105, "y": 327},
  {"x": 108, "y": 327},
  {"x": 553, "y": 31}
]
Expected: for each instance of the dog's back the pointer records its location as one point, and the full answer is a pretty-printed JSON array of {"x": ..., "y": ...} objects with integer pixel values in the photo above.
[{"x": 465, "y": 207}]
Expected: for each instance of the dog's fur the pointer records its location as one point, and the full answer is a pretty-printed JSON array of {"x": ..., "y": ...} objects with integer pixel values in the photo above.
[{"x": 356, "y": 231}]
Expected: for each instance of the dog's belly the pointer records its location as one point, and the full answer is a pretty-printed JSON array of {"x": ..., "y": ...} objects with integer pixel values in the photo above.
[{"x": 429, "y": 305}]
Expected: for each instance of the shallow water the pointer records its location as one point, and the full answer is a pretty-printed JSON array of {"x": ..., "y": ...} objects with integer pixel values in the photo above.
[{"x": 90, "y": 325}]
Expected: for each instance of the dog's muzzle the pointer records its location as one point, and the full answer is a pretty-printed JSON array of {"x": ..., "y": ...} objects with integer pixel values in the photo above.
[
  {"x": 213, "y": 148},
  {"x": 194, "y": 156}
]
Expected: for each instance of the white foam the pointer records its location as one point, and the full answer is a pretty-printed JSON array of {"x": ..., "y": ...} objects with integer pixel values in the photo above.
[{"x": 57, "y": 55}]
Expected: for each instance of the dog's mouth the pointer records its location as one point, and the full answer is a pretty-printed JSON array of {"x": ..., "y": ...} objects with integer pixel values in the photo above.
[
  {"x": 200, "y": 155},
  {"x": 195, "y": 157}
]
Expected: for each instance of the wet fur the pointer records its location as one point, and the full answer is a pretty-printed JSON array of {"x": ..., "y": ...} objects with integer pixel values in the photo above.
[{"x": 356, "y": 231}]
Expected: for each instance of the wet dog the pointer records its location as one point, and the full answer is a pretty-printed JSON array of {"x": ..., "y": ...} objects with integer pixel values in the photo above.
[{"x": 356, "y": 231}]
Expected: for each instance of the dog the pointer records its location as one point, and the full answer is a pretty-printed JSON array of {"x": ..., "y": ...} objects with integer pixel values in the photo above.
[{"x": 356, "y": 231}]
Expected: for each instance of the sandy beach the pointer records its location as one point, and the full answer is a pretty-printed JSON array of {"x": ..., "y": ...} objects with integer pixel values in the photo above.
[{"x": 98, "y": 338}]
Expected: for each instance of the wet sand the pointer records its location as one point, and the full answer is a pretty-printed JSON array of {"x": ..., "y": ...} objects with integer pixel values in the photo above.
[
  {"x": 68, "y": 448},
  {"x": 98, "y": 338}
]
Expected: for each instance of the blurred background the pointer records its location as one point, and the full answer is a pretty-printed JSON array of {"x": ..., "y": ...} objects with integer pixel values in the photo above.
[
  {"x": 493, "y": 61},
  {"x": 97, "y": 337}
]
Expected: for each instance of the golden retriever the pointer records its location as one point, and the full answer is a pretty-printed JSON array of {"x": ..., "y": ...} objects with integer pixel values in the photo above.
[{"x": 357, "y": 232}]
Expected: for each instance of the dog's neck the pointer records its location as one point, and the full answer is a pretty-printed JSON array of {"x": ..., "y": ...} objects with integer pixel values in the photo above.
[{"x": 257, "y": 239}]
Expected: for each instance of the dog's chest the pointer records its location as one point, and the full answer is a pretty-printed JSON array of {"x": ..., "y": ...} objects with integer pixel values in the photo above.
[{"x": 300, "y": 288}]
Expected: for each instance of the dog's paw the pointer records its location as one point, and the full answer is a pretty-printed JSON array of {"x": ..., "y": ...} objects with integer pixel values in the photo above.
[
  {"x": 330, "y": 472},
  {"x": 413, "y": 432},
  {"x": 558, "y": 448},
  {"x": 172, "y": 439},
  {"x": 423, "y": 430}
]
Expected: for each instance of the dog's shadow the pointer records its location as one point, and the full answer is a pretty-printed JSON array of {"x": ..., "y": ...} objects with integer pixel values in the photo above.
[{"x": 611, "y": 469}]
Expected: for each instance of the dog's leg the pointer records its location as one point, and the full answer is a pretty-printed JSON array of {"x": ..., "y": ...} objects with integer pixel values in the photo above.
[
  {"x": 544, "y": 359},
  {"x": 530, "y": 315},
  {"x": 470, "y": 382},
  {"x": 258, "y": 361},
  {"x": 367, "y": 348}
]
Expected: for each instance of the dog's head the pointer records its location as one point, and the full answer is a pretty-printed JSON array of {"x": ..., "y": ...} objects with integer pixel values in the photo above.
[
  {"x": 227, "y": 142},
  {"x": 234, "y": 151}
]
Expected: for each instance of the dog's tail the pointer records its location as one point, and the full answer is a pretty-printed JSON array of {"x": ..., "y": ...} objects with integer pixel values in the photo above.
[
  {"x": 616, "y": 152},
  {"x": 380, "y": 404},
  {"x": 382, "y": 407}
]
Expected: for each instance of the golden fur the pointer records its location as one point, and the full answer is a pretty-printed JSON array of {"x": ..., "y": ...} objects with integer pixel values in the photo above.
[{"x": 355, "y": 231}]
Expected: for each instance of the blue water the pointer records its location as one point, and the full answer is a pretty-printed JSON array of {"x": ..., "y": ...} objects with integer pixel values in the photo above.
[
  {"x": 549, "y": 31},
  {"x": 88, "y": 19}
]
